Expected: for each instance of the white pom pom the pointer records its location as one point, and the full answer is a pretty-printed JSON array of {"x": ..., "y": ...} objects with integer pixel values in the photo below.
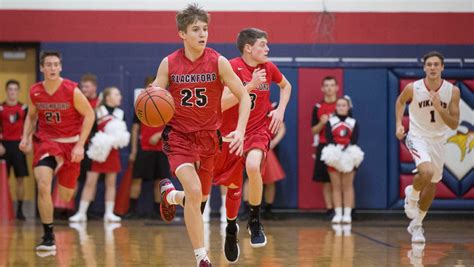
[
  {"x": 345, "y": 163},
  {"x": 117, "y": 130},
  {"x": 331, "y": 154},
  {"x": 100, "y": 146},
  {"x": 356, "y": 154}
]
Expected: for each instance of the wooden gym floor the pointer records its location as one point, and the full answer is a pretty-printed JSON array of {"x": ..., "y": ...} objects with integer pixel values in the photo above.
[{"x": 291, "y": 242}]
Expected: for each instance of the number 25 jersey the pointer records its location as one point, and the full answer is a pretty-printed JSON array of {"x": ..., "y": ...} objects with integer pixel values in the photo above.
[
  {"x": 197, "y": 90},
  {"x": 425, "y": 121},
  {"x": 57, "y": 117}
]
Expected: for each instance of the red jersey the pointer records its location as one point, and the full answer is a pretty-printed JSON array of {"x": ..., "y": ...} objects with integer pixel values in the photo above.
[
  {"x": 319, "y": 110},
  {"x": 57, "y": 117},
  {"x": 12, "y": 119},
  {"x": 197, "y": 90},
  {"x": 260, "y": 96}
]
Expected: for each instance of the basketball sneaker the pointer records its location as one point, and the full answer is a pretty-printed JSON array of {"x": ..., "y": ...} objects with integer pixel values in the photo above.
[
  {"x": 167, "y": 210},
  {"x": 257, "y": 236},
  {"x": 416, "y": 231},
  {"x": 411, "y": 205},
  {"x": 231, "y": 245},
  {"x": 205, "y": 263},
  {"x": 47, "y": 244}
]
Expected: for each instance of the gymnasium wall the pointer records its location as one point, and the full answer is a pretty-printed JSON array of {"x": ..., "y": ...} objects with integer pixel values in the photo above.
[{"x": 362, "y": 49}]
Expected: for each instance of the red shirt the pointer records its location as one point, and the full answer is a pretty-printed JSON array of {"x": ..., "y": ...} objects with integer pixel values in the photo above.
[
  {"x": 57, "y": 116},
  {"x": 260, "y": 96},
  {"x": 319, "y": 110},
  {"x": 146, "y": 132},
  {"x": 197, "y": 90},
  {"x": 12, "y": 119},
  {"x": 93, "y": 102}
]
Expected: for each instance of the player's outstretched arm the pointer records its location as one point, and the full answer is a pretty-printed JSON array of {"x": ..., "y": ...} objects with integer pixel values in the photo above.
[
  {"x": 229, "y": 100},
  {"x": 28, "y": 128},
  {"x": 84, "y": 108},
  {"x": 231, "y": 79},
  {"x": 403, "y": 98},
  {"x": 278, "y": 114},
  {"x": 451, "y": 115},
  {"x": 161, "y": 79}
]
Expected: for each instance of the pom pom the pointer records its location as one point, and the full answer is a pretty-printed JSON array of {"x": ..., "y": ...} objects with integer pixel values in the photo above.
[
  {"x": 345, "y": 163},
  {"x": 100, "y": 146},
  {"x": 356, "y": 154},
  {"x": 331, "y": 155},
  {"x": 117, "y": 130}
]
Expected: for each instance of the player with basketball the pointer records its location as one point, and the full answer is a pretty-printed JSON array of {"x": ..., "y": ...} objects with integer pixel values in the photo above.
[
  {"x": 434, "y": 109},
  {"x": 63, "y": 119},
  {"x": 195, "y": 76}
]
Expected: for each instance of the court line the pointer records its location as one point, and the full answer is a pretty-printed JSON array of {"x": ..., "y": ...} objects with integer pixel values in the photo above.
[{"x": 374, "y": 240}]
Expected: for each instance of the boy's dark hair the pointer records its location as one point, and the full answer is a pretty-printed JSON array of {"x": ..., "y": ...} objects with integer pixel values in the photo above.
[
  {"x": 329, "y": 78},
  {"x": 12, "y": 81},
  {"x": 45, "y": 54},
  {"x": 249, "y": 36},
  {"x": 190, "y": 15},
  {"x": 89, "y": 77},
  {"x": 433, "y": 54}
]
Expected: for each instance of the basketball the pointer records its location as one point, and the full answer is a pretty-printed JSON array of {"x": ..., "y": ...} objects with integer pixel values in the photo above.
[{"x": 154, "y": 106}]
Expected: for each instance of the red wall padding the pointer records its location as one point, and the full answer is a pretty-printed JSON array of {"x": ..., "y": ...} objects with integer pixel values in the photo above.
[{"x": 309, "y": 93}]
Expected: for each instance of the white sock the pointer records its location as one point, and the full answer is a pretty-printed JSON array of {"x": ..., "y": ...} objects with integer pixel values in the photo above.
[
  {"x": 347, "y": 211},
  {"x": 200, "y": 254},
  {"x": 419, "y": 217},
  {"x": 415, "y": 195},
  {"x": 109, "y": 207},
  {"x": 338, "y": 211},
  {"x": 223, "y": 197},
  {"x": 170, "y": 198},
  {"x": 83, "y": 206}
]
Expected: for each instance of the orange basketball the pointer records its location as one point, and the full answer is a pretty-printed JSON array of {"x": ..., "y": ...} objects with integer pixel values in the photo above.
[{"x": 154, "y": 106}]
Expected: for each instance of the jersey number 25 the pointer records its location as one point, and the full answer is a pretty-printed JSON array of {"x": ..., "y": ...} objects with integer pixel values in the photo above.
[{"x": 200, "y": 94}]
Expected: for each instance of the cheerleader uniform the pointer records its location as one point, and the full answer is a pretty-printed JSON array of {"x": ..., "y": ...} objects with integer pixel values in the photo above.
[
  {"x": 112, "y": 164},
  {"x": 342, "y": 130}
]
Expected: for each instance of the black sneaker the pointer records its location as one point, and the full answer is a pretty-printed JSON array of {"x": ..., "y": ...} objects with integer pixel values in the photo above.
[
  {"x": 132, "y": 215},
  {"x": 20, "y": 216},
  {"x": 48, "y": 244},
  {"x": 231, "y": 245},
  {"x": 257, "y": 236}
]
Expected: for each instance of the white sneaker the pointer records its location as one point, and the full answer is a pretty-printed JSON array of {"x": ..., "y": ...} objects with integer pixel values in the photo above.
[
  {"x": 346, "y": 218},
  {"x": 416, "y": 254},
  {"x": 416, "y": 231},
  {"x": 411, "y": 206},
  {"x": 223, "y": 214},
  {"x": 78, "y": 217},
  {"x": 206, "y": 216},
  {"x": 110, "y": 217},
  {"x": 337, "y": 218}
]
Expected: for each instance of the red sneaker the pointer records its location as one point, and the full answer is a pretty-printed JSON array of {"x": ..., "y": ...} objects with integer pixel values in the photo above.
[
  {"x": 167, "y": 210},
  {"x": 205, "y": 263}
]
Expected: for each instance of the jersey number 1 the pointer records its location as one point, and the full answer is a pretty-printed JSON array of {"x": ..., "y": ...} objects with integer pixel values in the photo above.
[{"x": 432, "y": 116}]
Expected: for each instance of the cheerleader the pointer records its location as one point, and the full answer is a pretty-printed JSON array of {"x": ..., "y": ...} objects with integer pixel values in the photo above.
[
  {"x": 110, "y": 135},
  {"x": 273, "y": 173},
  {"x": 342, "y": 156}
]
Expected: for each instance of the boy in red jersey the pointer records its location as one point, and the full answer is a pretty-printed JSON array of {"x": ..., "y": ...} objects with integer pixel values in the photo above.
[
  {"x": 12, "y": 118},
  {"x": 195, "y": 77},
  {"x": 63, "y": 119},
  {"x": 256, "y": 73}
]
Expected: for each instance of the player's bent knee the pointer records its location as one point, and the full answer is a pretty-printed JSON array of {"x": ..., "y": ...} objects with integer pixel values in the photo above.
[{"x": 194, "y": 195}]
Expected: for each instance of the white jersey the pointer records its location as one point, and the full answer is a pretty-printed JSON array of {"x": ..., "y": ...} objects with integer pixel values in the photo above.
[{"x": 425, "y": 121}]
